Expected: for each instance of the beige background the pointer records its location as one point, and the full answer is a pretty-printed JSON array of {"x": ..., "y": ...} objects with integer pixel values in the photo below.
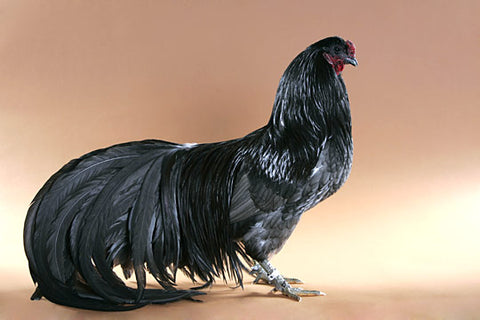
[{"x": 80, "y": 75}]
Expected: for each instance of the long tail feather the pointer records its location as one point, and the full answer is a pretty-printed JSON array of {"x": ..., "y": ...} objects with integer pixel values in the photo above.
[{"x": 147, "y": 205}]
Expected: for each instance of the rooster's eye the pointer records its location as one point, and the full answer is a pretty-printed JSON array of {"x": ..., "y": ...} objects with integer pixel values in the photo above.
[{"x": 337, "y": 49}]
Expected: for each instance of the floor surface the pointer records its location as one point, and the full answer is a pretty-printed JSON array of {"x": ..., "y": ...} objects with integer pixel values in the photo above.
[{"x": 256, "y": 302}]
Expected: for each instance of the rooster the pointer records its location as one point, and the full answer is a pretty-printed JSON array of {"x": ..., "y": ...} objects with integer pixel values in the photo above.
[{"x": 204, "y": 209}]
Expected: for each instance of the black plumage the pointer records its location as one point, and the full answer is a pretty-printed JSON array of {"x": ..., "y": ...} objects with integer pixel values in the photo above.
[{"x": 160, "y": 207}]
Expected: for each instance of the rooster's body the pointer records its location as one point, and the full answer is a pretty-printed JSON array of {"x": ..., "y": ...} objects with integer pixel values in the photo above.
[{"x": 158, "y": 206}]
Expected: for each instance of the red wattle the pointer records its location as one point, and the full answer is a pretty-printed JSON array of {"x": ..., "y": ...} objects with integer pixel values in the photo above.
[{"x": 336, "y": 62}]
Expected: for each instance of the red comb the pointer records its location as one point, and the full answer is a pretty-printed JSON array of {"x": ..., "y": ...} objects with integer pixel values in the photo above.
[{"x": 351, "y": 48}]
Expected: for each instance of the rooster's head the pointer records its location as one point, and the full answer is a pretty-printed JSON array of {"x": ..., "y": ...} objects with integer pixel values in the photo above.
[{"x": 338, "y": 52}]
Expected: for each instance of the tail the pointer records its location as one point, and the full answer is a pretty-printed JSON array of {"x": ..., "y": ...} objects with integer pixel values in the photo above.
[{"x": 101, "y": 210}]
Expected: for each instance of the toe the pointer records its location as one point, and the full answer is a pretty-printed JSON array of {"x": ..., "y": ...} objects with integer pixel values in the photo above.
[
  {"x": 309, "y": 293},
  {"x": 293, "y": 281}
]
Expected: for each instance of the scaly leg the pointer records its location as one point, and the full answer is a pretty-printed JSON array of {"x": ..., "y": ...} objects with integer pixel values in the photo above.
[
  {"x": 261, "y": 276},
  {"x": 277, "y": 280}
]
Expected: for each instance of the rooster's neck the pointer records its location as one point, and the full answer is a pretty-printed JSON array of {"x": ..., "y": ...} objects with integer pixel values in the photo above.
[
  {"x": 311, "y": 102},
  {"x": 311, "y": 107}
]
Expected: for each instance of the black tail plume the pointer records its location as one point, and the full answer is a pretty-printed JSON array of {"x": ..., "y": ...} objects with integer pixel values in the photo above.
[{"x": 140, "y": 205}]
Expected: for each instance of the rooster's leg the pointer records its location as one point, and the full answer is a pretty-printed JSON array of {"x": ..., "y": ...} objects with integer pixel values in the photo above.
[
  {"x": 276, "y": 279},
  {"x": 261, "y": 276}
]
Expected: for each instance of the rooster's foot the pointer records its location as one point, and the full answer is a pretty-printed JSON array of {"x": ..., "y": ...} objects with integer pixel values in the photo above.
[
  {"x": 298, "y": 293},
  {"x": 261, "y": 276},
  {"x": 266, "y": 272}
]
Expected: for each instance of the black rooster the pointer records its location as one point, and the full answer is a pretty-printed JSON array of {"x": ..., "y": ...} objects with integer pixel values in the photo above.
[{"x": 201, "y": 208}]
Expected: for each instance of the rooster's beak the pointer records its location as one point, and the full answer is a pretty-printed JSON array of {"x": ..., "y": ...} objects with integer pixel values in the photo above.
[{"x": 351, "y": 60}]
